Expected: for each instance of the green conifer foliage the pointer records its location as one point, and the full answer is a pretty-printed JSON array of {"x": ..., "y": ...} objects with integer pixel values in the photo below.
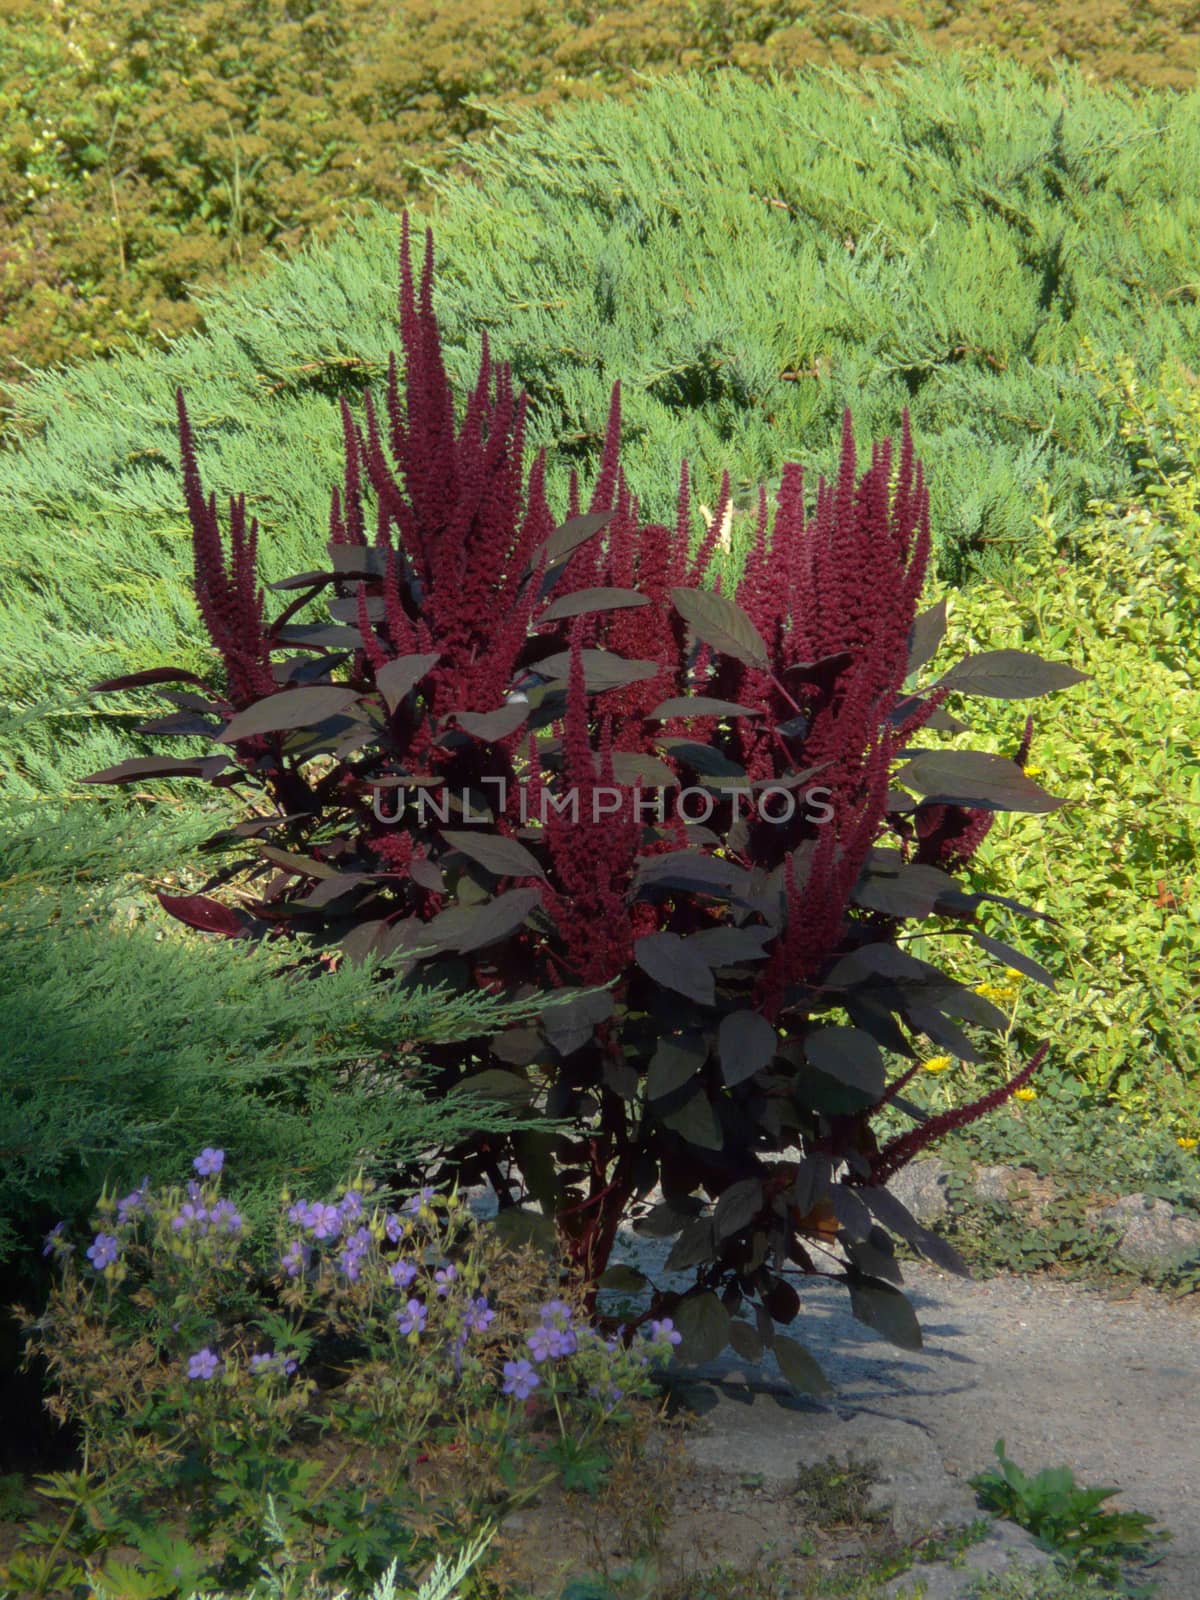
[{"x": 747, "y": 259}]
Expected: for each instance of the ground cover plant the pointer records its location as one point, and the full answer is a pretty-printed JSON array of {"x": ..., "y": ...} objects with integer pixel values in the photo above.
[
  {"x": 739, "y": 328},
  {"x": 1122, "y": 591},
  {"x": 729, "y": 972},
  {"x": 375, "y": 1381},
  {"x": 148, "y": 149}
]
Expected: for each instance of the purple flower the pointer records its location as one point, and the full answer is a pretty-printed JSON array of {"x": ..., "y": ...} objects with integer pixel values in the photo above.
[
  {"x": 421, "y": 1198},
  {"x": 56, "y": 1240},
  {"x": 297, "y": 1258},
  {"x": 134, "y": 1203},
  {"x": 519, "y": 1379},
  {"x": 203, "y": 1364},
  {"x": 209, "y": 1162},
  {"x": 402, "y": 1273},
  {"x": 556, "y": 1311},
  {"x": 227, "y": 1216},
  {"x": 102, "y": 1251},
  {"x": 664, "y": 1332},
  {"x": 356, "y": 1248},
  {"x": 270, "y": 1361},
  {"x": 393, "y": 1226},
  {"x": 413, "y": 1318},
  {"x": 324, "y": 1221},
  {"x": 444, "y": 1277},
  {"x": 299, "y": 1213},
  {"x": 562, "y": 1341},
  {"x": 609, "y": 1396},
  {"x": 350, "y": 1205},
  {"x": 479, "y": 1315},
  {"x": 539, "y": 1344},
  {"x": 192, "y": 1217}
]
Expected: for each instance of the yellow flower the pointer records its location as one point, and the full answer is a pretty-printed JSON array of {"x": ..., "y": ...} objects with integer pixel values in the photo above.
[
  {"x": 1025, "y": 1094},
  {"x": 996, "y": 991},
  {"x": 1013, "y": 975},
  {"x": 1032, "y": 772},
  {"x": 936, "y": 1063},
  {"x": 1187, "y": 1144}
]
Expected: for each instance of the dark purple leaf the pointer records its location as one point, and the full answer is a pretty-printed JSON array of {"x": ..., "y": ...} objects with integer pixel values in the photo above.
[
  {"x": 296, "y": 865},
  {"x": 465, "y": 928},
  {"x": 504, "y": 857},
  {"x": 571, "y": 534},
  {"x": 493, "y": 725},
  {"x": 396, "y": 678},
  {"x": 671, "y": 961},
  {"x": 702, "y": 758},
  {"x": 302, "y": 580},
  {"x": 520, "y": 1047},
  {"x": 320, "y": 635},
  {"x": 570, "y": 1023},
  {"x": 704, "y": 1323},
  {"x": 676, "y": 1061},
  {"x": 728, "y": 947},
  {"x": 721, "y": 624},
  {"x": 699, "y": 705},
  {"x": 601, "y": 669},
  {"x": 696, "y": 1121},
  {"x": 138, "y": 767},
  {"x": 139, "y": 680},
  {"x": 926, "y": 633},
  {"x": 358, "y": 560},
  {"x": 586, "y": 600},
  {"x": 640, "y": 771},
  {"x": 346, "y": 610},
  {"x": 737, "y": 1208},
  {"x": 746, "y": 1044},
  {"x": 745, "y": 1341},
  {"x": 291, "y": 708},
  {"x": 882, "y": 1307},
  {"x": 974, "y": 778},
  {"x": 203, "y": 912},
  {"x": 848, "y": 1055},
  {"x": 905, "y": 890},
  {"x": 1015, "y": 959},
  {"x": 799, "y": 1368},
  {"x": 1010, "y": 675}
]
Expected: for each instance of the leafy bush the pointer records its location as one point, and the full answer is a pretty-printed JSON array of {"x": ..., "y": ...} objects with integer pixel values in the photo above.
[
  {"x": 127, "y": 1041},
  {"x": 745, "y": 945},
  {"x": 1066, "y": 1518},
  {"x": 1122, "y": 596},
  {"x": 148, "y": 148},
  {"x": 368, "y": 1367}
]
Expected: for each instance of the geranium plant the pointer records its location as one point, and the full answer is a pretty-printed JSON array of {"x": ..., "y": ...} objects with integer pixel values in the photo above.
[{"x": 578, "y": 758}]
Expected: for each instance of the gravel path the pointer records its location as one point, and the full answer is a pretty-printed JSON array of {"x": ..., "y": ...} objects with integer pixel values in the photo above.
[{"x": 1066, "y": 1376}]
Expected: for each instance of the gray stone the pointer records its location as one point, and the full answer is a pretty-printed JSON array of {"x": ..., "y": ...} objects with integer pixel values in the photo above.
[
  {"x": 994, "y": 1183},
  {"x": 755, "y": 1434},
  {"x": 1152, "y": 1233},
  {"x": 921, "y": 1187},
  {"x": 1006, "y": 1549}
]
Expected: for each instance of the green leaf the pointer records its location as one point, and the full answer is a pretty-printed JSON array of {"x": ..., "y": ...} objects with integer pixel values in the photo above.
[
  {"x": 396, "y": 678},
  {"x": 291, "y": 708},
  {"x": 671, "y": 961},
  {"x": 799, "y": 1368},
  {"x": 518, "y": 1226},
  {"x": 1010, "y": 675},
  {"x": 505, "y": 857},
  {"x": 882, "y": 1307},
  {"x": 721, "y": 624},
  {"x": 746, "y": 1044},
  {"x": 704, "y": 1323}
]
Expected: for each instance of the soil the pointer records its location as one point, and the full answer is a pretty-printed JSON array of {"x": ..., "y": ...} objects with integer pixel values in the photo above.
[{"x": 1066, "y": 1375}]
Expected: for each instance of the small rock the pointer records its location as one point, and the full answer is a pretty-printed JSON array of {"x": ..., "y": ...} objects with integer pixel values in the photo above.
[
  {"x": 994, "y": 1183},
  {"x": 921, "y": 1187},
  {"x": 1006, "y": 1548},
  {"x": 1152, "y": 1233}
]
